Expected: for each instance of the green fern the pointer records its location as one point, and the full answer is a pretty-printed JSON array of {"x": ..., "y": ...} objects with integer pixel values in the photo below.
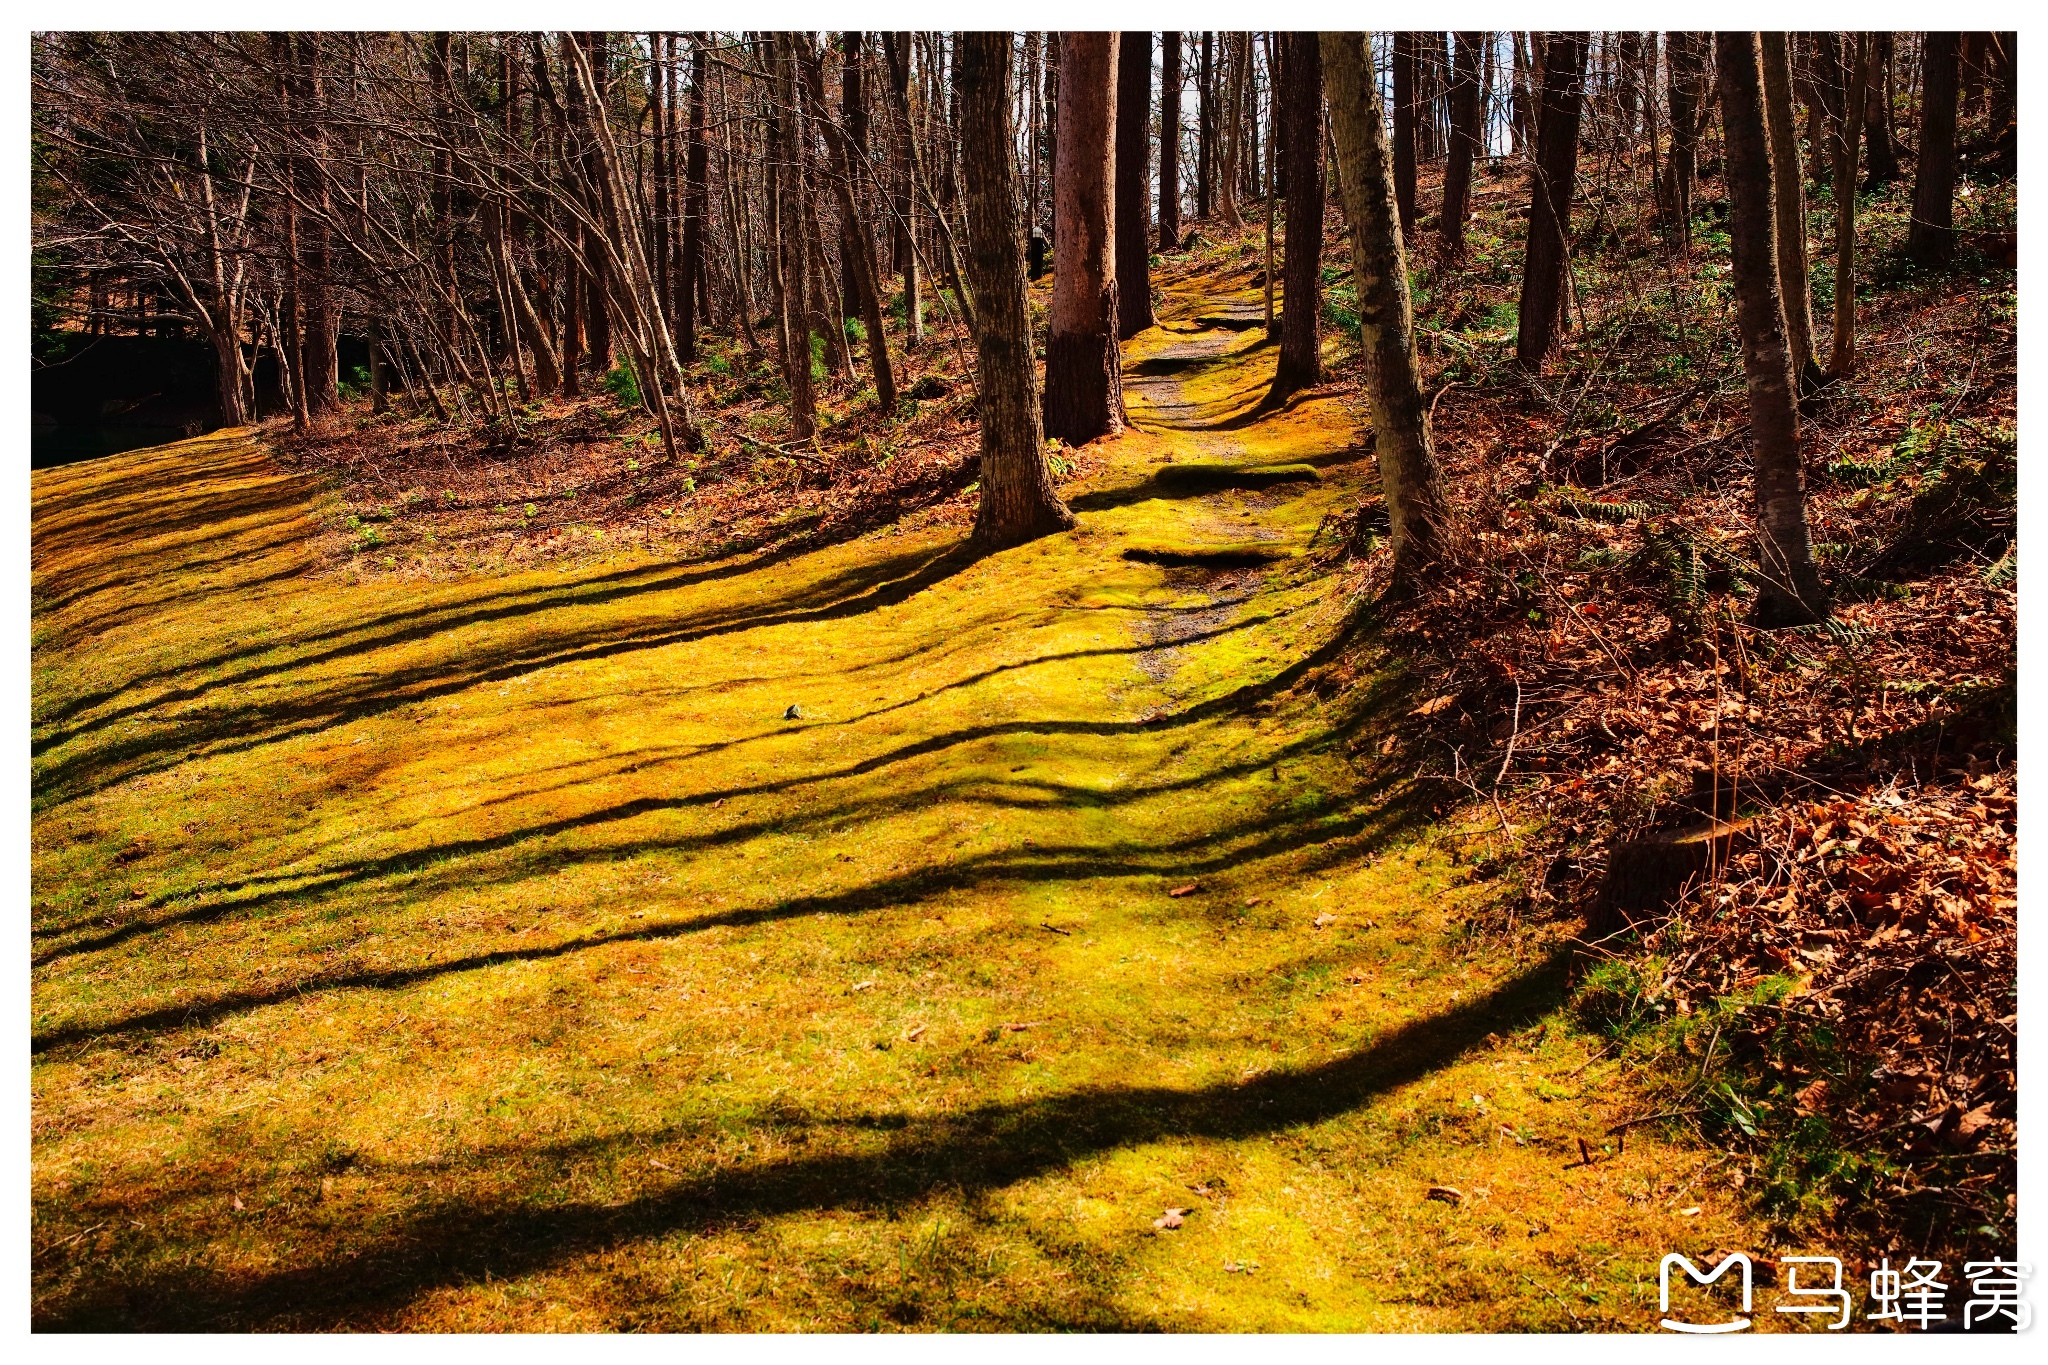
[{"x": 1615, "y": 513}]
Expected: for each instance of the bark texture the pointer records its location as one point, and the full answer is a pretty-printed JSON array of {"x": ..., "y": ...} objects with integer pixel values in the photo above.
[
  {"x": 1404, "y": 130},
  {"x": 1848, "y": 131},
  {"x": 1134, "y": 184},
  {"x": 1169, "y": 141},
  {"x": 1465, "y": 140},
  {"x": 1552, "y": 179},
  {"x": 1018, "y": 501},
  {"x": 1301, "y": 333},
  {"x": 1409, "y": 474},
  {"x": 1931, "y": 240},
  {"x": 1083, "y": 381},
  {"x": 1789, "y": 204},
  {"x": 1791, "y": 592}
]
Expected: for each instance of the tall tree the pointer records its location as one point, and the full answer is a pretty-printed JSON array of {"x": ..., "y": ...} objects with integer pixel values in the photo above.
[
  {"x": 855, "y": 240},
  {"x": 1169, "y": 141},
  {"x": 1301, "y": 103},
  {"x": 1465, "y": 140},
  {"x": 1877, "y": 111},
  {"x": 896, "y": 47},
  {"x": 1205, "y": 125},
  {"x": 1404, "y": 129},
  {"x": 1018, "y": 501},
  {"x": 1409, "y": 477},
  {"x": 1789, "y": 204},
  {"x": 1848, "y": 130},
  {"x": 1134, "y": 184},
  {"x": 1552, "y": 180},
  {"x": 1931, "y": 239},
  {"x": 1230, "y": 127},
  {"x": 1083, "y": 378},
  {"x": 1791, "y": 592},
  {"x": 1685, "y": 61},
  {"x": 696, "y": 161}
]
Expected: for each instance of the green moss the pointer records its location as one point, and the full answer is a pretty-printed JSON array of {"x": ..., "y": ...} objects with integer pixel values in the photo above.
[{"x": 778, "y": 944}]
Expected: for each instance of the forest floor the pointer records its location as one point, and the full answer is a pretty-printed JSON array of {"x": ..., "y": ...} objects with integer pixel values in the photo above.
[{"x": 878, "y": 935}]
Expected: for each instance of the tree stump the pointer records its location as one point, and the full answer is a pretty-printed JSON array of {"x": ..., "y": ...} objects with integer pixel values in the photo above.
[{"x": 1647, "y": 876}]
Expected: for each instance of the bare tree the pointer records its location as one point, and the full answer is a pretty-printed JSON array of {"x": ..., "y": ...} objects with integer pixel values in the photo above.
[
  {"x": 1409, "y": 476},
  {"x": 1083, "y": 377},
  {"x": 1791, "y": 593},
  {"x": 1018, "y": 501},
  {"x": 1552, "y": 180},
  {"x": 1301, "y": 99},
  {"x": 1134, "y": 184}
]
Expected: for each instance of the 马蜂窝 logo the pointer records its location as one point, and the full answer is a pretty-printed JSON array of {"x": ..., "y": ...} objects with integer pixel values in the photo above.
[{"x": 1692, "y": 1272}]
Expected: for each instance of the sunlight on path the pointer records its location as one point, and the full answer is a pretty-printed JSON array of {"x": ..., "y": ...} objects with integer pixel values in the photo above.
[{"x": 877, "y": 937}]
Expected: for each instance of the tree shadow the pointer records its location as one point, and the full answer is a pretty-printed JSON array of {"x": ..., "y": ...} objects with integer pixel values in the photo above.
[
  {"x": 568, "y": 638},
  {"x": 967, "y": 1152}
]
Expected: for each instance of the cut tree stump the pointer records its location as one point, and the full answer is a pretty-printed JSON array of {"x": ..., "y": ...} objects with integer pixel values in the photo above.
[{"x": 1646, "y": 876}]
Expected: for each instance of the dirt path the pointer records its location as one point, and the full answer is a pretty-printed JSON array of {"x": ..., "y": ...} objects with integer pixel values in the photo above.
[{"x": 880, "y": 937}]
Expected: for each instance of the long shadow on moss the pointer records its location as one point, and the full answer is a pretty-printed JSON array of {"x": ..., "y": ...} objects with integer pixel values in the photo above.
[
  {"x": 967, "y": 1152},
  {"x": 241, "y": 726}
]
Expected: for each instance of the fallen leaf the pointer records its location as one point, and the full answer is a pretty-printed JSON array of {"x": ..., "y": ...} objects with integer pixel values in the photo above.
[
  {"x": 914, "y": 1034},
  {"x": 1204, "y": 1191},
  {"x": 659, "y": 1166},
  {"x": 1325, "y": 918},
  {"x": 1172, "y": 1218},
  {"x": 863, "y": 985},
  {"x": 1434, "y": 705},
  {"x": 1019, "y": 1028},
  {"x": 1187, "y": 890},
  {"x": 1388, "y": 747},
  {"x": 1446, "y": 1194},
  {"x": 238, "y": 1203},
  {"x": 1969, "y": 1125},
  {"x": 1692, "y": 1212}
]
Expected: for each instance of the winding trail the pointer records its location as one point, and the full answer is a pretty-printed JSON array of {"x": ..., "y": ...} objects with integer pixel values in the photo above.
[{"x": 881, "y": 937}]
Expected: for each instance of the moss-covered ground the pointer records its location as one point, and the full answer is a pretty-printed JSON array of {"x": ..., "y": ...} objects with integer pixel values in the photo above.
[{"x": 882, "y": 936}]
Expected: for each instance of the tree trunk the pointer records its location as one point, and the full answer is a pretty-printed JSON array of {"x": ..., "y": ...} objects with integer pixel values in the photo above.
[
  {"x": 1018, "y": 501},
  {"x": 1466, "y": 131},
  {"x": 1273, "y": 167},
  {"x": 1931, "y": 239},
  {"x": 860, "y": 259},
  {"x": 1134, "y": 184},
  {"x": 1848, "y": 135},
  {"x": 1884, "y": 163},
  {"x": 794, "y": 260},
  {"x": 1404, "y": 131},
  {"x": 1301, "y": 334},
  {"x": 1409, "y": 476},
  {"x": 896, "y": 47},
  {"x": 1789, "y": 204},
  {"x": 1083, "y": 377},
  {"x": 1685, "y": 62},
  {"x": 1551, "y": 183},
  {"x": 1169, "y": 141},
  {"x": 1205, "y": 125},
  {"x": 1230, "y": 129},
  {"x": 1791, "y": 592},
  {"x": 853, "y": 114},
  {"x": 695, "y": 158},
  {"x": 1522, "y": 126}
]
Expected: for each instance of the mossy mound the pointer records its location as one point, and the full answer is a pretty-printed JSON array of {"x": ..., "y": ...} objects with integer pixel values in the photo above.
[{"x": 1214, "y": 476}]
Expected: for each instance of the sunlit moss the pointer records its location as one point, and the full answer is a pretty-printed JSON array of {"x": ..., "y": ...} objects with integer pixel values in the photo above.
[{"x": 802, "y": 943}]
